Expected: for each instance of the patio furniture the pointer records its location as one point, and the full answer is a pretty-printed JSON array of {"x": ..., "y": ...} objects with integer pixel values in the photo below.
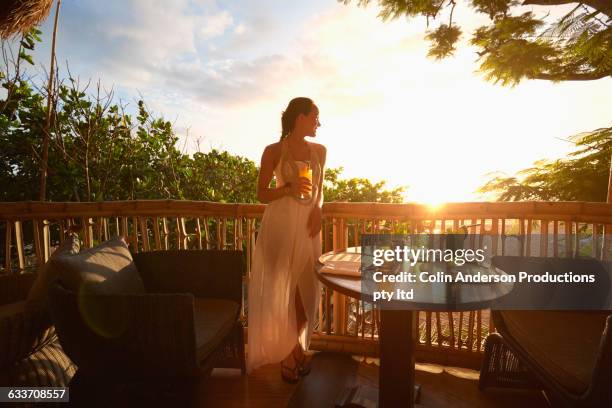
[
  {"x": 340, "y": 271},
  {"x": 180, "y": 324},
  {"x": 30, "y": 353},
  {"x": 568, "y": 353}
]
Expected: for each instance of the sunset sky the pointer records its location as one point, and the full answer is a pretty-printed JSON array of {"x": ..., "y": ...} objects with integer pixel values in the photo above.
[{"x": 226, "y": 69}]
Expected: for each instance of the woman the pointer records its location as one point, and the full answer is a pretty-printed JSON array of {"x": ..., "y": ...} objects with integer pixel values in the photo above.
[{"x": 283, "y": 289}]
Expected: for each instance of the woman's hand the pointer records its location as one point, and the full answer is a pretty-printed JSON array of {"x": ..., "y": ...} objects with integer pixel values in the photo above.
[
  {"x": 314, "y": 221},
  {"x": 301, "y": 186}
]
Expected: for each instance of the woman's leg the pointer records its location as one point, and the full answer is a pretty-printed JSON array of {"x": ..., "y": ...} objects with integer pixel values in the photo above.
[
  {"x": 300, "y": 313},
  {"x": 289, "y": 365},
  {"x": 301, "y": 321}
]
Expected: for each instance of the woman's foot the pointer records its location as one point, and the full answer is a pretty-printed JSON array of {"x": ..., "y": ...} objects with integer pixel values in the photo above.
[
  {"x": 290, "y": 370},
  {"x": 303, "y": 361}
]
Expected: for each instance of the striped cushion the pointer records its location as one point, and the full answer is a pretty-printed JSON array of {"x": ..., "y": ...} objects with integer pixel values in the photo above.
[{"x": 47, "y": 367}]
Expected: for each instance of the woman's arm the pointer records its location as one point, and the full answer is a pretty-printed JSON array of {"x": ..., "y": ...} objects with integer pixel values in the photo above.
[
  {"x": 265, "y": 194},
  {"x": 314, "y": 219},
  {"x": 322, "y": 157}
]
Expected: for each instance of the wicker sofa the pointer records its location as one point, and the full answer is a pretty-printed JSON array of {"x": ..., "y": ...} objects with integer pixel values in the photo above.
[
  {"x": 567, "y": 353},
  {"x": 184, "y": 323}
]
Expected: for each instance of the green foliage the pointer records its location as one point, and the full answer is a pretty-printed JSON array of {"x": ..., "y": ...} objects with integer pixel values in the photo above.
[
  {"x": 99, "y": 152},
  {"x": 443, "y": 41},
  {"x": 358, "y": 189},
  {"x": 583, "y": 176},
  {"x": 578, "y": 46},
  {"x": 220, "y": 176}
]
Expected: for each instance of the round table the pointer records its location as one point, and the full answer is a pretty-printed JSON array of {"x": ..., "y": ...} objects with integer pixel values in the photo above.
[{"x": 340, "y": 271}]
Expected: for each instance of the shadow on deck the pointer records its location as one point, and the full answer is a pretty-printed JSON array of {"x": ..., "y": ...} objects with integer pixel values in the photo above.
[{"x": 441, "y": 386}]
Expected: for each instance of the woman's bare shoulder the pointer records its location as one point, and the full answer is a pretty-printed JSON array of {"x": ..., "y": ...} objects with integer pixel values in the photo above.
[
  {"x": 273, "y": 149},
  {"x": 272, "y": 153},
  {"x": 318, "y": 147}
]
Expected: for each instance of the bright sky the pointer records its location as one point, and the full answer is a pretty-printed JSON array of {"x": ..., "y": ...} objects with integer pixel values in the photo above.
[{"x": 224, "y": 71}]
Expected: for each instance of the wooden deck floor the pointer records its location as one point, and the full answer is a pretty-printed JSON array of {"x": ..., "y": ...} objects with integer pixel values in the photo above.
[{"x": 441, "y": 387}]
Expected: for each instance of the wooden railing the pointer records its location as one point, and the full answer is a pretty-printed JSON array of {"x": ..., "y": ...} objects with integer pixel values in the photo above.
[{"x": 30, "y": 230}]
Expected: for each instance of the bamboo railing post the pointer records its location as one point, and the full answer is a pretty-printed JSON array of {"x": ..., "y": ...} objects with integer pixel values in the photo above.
[
  {"x": 135, "y": 234},
  {"x": 528, "y": 240},
  {"x": 451, "y": 328},
  {"x": 439, "y": 335},
  {"x": 544, "y": 238},
  {"x": 124, "y": 228},
  {"x": 166, "y": 233},
  {"x": 19, "y": 245},
  {"x": 89, "y": 223},
  {"x": 206, "y": 234},
  {"x": 340, "y": 242},
  {"x": 38, "y": 242},
  {"x": 199, "y": 233},
  {"x": 106, "y": 229},
  {"x": 568, "y": 238},
  {"x": 157, "y": 234},
  {"x": 219, "y": 233},
  {"x": 479, "y": 329},
  {"x": 223, "y": 233},
  {"x": 7, "y": 246},
  {"x": 428, "y": 328},
  {"x": 47, "y": 239},
  {"x": 503, "y": 236},
  {"x": 238, "y": 233},
  {"x": 460, "y": 331},
  {"x": 522, "y": 236},
  {"x": 249, "y": 245},
  {"x": 606, "y": 244},
  {"x": 555, "y": 238},
  {"x": 595, "y": 240},
  {"x": 144, "y": 233},
  {"x": 494, "y": 236},
  {"x": 470, "y": 331},
  {"x": 179, "y": 233},
  {"x": 577, "y": 241}
]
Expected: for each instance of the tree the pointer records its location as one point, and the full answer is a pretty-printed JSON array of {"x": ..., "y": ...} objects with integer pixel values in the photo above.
[
  {"x": 49, "y": 111},
  {"x": 581, "y": 177},
  {"x": 221, "y": 176},
  {"x": 98, "y": 152},
  {"x": 358, "y": 189},
  {"x": 517, "y": 44}
]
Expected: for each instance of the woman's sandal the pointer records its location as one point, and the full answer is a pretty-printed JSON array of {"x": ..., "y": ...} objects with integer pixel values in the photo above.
[
  {"x": 295, "y": 373},
  {"x": 303, "y": 363}
]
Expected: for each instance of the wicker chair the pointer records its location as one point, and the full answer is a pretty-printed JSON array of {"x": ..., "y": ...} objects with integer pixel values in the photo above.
[
  {"x": 567, "y": 353},
  {"x": 186, "y": 324},
  {"x": 30, "y": 353}
]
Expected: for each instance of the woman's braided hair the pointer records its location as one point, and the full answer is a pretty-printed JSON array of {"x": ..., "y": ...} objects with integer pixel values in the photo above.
[{"x": 296, "y": 106}]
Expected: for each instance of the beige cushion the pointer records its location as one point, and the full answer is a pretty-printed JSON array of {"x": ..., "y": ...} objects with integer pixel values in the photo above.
[
  {"x": 214, "y": 319},
  {"x": 37, "y": 296},
  {"x": 105, "y": 269},
  {"x": 565, "y": 344}
]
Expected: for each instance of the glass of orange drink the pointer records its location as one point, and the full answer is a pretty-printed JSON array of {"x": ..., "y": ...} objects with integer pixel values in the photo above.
[{"x": 306, "y": 171}]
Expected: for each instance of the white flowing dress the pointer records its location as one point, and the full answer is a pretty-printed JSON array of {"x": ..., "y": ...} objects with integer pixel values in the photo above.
[{"x": 283, "y": 261}]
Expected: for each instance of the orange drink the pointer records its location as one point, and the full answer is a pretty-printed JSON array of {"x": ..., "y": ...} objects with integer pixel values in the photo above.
[{"x": 306, "y": 171}]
